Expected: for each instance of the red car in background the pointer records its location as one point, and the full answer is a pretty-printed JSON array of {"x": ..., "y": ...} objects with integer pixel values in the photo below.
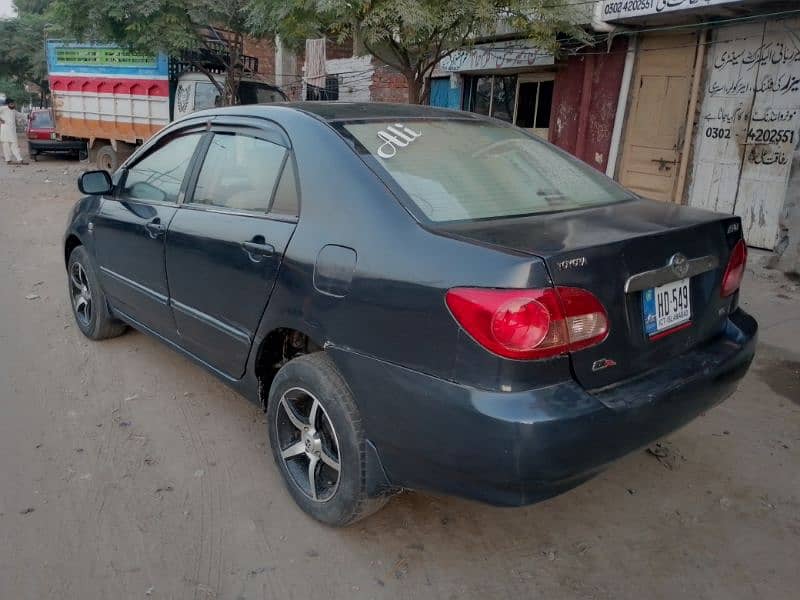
[{"x": 42, "y": 137}]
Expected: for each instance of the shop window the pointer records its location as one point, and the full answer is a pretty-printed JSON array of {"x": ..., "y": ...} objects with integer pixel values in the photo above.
[
  {"x": 478, "y": 98},
  {"x": 490, "y": 95},
  {"x": 535, "y": 103},
  {"x": 525, "y": 100},
  {"x": 504, "y": 94}
]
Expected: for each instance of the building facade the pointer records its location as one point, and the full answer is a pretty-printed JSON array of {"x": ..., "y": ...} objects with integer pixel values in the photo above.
[
  {"x": 712, "y": 116},
  {"x": 694, "y": 102}
]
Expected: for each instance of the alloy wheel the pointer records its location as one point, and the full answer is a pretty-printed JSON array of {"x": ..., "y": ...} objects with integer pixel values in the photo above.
[
  {"x": 81, "y": 293},
  {"x": 308, "y": 444}
]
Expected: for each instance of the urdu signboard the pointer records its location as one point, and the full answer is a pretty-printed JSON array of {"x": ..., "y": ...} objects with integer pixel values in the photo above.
[
  {"x": 516, "y": 54},
  {"x": 614, "y": 10}
]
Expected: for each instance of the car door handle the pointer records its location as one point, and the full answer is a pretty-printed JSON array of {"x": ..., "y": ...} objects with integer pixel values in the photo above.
[
  {"x": 258, "y": 251},
  {"x": 154, "y": 227}
]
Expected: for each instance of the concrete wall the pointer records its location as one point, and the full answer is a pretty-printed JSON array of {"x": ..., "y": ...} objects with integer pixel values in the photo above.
[
  {"x": 787, "y": 252},
  {"x": 355, "y": 77}
]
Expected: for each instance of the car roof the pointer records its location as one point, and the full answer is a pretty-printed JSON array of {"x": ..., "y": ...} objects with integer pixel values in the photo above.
[{"x": 347, "y": 111}]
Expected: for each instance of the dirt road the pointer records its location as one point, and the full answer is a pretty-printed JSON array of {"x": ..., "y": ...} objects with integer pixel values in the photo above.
[{"x": 128, "y": 472}]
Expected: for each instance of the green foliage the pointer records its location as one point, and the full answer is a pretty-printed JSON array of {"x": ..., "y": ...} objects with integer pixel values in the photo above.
[
  {"x": 22, "y": 48},
  {"x": 170, "y": 26},
  {"x": 14, "y": 89},
  {"x": 35, "y": 7},
  {"x": 414, "y": 35}
]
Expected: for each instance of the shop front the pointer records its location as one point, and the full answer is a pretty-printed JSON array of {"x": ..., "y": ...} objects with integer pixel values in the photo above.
[
  {"x": 508, "y": 80},
  {"x": 713, "y": 112},
  {"x": 571, "y": 102}
]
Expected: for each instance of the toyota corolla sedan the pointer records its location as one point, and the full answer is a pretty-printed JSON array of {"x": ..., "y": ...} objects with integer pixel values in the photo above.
[{"x": 418, "y": 298}]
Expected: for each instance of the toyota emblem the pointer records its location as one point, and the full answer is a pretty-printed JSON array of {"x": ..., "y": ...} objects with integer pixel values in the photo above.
[{"x": 679, "y": 264}]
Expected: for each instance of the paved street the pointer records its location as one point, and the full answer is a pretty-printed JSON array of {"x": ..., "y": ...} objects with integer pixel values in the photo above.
[{"x": 128, "y": 472}]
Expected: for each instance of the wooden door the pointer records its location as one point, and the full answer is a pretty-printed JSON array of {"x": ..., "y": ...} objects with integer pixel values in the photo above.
[{"x": 657, "y": 117}]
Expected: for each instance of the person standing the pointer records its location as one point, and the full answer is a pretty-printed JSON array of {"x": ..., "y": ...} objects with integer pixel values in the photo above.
[{"x": 8, "y": 133}]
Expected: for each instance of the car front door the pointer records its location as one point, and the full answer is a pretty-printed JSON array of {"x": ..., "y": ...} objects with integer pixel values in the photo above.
[
  {"x": 129, "y": 231},
  {"x": 226, "y": 242}
]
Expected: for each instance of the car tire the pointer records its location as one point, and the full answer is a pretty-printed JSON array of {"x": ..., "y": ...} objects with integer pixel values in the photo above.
[
  {"x": 89, "y": 305},
  {"x": 107, "y": 158},
  {"x": 335, "y": 433}
]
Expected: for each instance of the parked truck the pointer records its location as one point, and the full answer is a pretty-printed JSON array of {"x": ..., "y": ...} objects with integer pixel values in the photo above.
[{"x": 113, "y": 98}]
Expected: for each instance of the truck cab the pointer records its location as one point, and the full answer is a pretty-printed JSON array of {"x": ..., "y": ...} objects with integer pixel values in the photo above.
[{"x": 194, "y": 91}]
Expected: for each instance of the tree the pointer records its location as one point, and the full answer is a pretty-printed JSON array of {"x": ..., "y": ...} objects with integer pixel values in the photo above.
[
  {"x": 413, "y": 36},
  {"x": 209, "y": 34},
  {"x": 22, "y": 59}
]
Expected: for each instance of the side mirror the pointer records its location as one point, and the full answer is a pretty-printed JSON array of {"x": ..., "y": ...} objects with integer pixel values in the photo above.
[{"x": 95, "y": 183}]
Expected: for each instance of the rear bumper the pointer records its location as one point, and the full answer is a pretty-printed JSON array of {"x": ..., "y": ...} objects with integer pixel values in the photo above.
[
  {"x": 56, "y": 145},
  {"x": 517, "y": 448}
]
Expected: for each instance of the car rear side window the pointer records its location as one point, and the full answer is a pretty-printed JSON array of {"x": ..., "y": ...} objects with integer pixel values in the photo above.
[
  {"x": 158, "y": 176},
  {"x": 456, "y": 170},
  {"x": 239, "y": 172},
  {"x": 286, "y": 201}
]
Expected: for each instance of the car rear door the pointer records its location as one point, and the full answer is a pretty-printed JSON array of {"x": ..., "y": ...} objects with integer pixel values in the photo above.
[
  {"x": 227, "y": 239},
  {"x": 129, "y": 230}
]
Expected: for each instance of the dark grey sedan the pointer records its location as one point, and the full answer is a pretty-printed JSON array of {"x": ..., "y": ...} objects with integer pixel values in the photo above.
[{"x": 418, "y": 298}]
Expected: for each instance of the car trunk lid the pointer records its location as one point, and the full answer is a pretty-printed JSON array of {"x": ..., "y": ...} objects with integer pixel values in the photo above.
[{"x": 630, "y": 243}]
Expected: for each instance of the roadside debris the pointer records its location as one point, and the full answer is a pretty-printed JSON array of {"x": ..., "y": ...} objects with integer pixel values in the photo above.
[
  {"x": 27, "y": 511},
  {"x": 669, "y": 457},
  {"x": 32, "y": 297}
]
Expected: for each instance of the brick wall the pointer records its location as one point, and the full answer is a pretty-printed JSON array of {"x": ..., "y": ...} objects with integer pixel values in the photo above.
[
  {"x": 334, "y": 49},
  {"x": 387, "y": 84},
  {"x": 264, "y": 51}
]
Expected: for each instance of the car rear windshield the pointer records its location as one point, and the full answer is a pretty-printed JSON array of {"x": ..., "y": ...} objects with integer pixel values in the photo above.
[
  {"x": 42, "y": 119},
  {"x": 456, "y": 170}
]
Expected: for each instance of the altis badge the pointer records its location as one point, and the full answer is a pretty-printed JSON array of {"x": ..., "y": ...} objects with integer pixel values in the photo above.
[{"x": 603, "y": 363}]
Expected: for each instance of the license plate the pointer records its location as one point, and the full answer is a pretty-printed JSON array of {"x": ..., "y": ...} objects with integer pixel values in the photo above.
[{"x": 666, "y": 306}]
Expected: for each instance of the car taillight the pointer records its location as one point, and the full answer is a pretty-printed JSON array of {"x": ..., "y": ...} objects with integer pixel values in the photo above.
[
  {"x": 734, "y": 272},
  {"x": 529, "y": 324}
]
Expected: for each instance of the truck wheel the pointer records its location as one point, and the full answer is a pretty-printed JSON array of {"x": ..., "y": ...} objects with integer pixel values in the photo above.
[
  {"x": 317, "y": 441},
  {"x": 107, "y": 158}
]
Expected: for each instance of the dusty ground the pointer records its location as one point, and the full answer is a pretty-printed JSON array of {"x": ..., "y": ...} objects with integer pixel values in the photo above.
[{"x": 128, "y": 472}]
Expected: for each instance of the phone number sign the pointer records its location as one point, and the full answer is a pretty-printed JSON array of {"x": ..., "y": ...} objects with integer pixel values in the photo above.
[{"x": 625, "y": 9}]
